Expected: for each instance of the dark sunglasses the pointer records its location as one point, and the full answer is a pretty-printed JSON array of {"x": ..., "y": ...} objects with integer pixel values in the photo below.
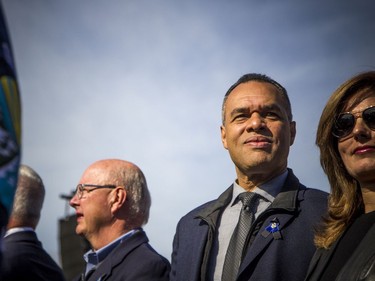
[{"x": 345, "y": 122}]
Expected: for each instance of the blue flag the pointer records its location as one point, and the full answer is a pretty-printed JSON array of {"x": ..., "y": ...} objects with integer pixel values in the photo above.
[{"x": 10, "y": 124}]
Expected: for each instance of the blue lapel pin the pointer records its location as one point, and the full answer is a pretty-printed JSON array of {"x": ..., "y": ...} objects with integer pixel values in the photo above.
[{"x": 274, "y": 228}]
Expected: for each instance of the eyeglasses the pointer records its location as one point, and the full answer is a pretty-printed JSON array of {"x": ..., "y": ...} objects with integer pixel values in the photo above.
[
  {"x": 345, "y": 122},
  {"x": 82, "y": 188}
]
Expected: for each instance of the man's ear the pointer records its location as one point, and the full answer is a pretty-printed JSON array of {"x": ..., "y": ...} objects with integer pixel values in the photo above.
[
  {"x": 223, "y": 136},
  {"x": 118, "y": 198},
  {"x": 293, "y": 131}
]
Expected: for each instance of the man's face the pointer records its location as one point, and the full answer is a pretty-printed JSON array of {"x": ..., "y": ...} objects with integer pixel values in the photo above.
[
  {"x": 93, "y": 209},
  {"x": 256, "y": 131}
]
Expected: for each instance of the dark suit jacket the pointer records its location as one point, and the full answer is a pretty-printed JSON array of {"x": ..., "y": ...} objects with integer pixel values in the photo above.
[
  {"x": 25, "y": 259},
  {"x": 132, "y": 260},
  {"x": 296, "y": 208}
]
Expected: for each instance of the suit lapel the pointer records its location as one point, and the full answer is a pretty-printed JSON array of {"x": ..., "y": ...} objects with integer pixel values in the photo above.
[
  {"x": 203, "y": 240},
  {"x": 285, "y": 201},
  {"x": 200, "y": 258},
  {"x": 261, "y": 241}
]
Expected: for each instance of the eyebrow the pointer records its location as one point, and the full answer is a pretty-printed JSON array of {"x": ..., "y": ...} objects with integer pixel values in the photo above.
[
  {"x": 247, "y": 110},
  {"x": 239, "y": 110}
]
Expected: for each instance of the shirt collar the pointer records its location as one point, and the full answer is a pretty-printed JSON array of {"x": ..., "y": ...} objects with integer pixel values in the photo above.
[
  {"x": 93, "y": 258},
  {"x": 267, "y": 190},
  {"x": 18, "y": 229}
]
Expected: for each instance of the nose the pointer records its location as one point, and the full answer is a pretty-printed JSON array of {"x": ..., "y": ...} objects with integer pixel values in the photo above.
[
  {"x": 360, "y": 130},
  {"x": 74, "y": 201},
  {"x": 255, "y": 122}
]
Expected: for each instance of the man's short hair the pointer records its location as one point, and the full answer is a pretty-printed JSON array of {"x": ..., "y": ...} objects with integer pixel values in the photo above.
[
  {"x": 138, "y": 195},
  {"x": 29, "y": 196},
  {"x": 259, "y": 78}
]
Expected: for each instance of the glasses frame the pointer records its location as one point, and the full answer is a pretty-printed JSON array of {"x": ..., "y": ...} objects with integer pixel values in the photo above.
[
  {"x": 355, "y": 115},
  {"x": 81, "y": 188}
]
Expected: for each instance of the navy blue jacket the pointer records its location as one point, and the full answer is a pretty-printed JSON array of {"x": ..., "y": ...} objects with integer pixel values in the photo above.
[
  {"x": 132, "y": 260},
  {"x": 296, "y": 209},
  {"x": 25, "y": 259}
]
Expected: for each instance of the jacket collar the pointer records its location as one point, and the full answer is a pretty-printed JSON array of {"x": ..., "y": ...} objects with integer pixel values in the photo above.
[
  {"x": 118, "y": 254},
  {"x": 286, "y": 199},
  {"x": 215, "y": 206}
]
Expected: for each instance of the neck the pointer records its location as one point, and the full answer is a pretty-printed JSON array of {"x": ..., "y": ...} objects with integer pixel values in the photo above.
[
  {"x": 368, "y": 195},
  {"x": 13, "y": 222},
  {"x": 105, "y": 237},
  {"x": 250, "y": 182}
]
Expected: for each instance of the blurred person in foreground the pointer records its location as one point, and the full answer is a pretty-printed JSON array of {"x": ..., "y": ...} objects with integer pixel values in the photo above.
[
  {"x": 346, "y": 138},
  {"x": 23, "y": 255},
  {"x": 257, "y": 130},
  {"x": 112, "y": 203}
]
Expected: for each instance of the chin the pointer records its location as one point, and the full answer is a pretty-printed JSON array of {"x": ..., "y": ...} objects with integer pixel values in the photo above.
[{"x": 79, "y": 231}]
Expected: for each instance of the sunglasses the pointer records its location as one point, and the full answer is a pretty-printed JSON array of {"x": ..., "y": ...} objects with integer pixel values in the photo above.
[{"x": 345, "y": 122}]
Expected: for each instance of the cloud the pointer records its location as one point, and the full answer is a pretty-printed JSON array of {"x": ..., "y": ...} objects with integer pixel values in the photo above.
[{"x": 144, "y": 81}]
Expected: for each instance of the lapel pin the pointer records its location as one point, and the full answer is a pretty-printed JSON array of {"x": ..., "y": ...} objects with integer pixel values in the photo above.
[{"x": 274, "y": 228}]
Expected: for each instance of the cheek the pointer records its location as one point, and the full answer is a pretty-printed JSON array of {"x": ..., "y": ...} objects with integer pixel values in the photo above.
[
  {"x": 342, "y": 148},
  {"x": 344, "y": 155},
  {"x": 282, "y": 136},
  {"x": 93, "y": 211},
  {"x": 95, "y": 218},
  {"x": 235, "y": 132}
]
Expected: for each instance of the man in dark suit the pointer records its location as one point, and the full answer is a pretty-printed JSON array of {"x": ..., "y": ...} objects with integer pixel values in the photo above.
[
  {"x": 276, "y": 227},
  {"x": 112, "y": 203},
  {"x": 23, "y": 255}
]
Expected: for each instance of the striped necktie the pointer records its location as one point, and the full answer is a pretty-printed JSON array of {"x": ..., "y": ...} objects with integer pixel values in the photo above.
[{"x": 235, "y": 250}]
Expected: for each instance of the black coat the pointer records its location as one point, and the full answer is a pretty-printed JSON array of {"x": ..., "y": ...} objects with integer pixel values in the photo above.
[
  {"x": 25, "y": 259},
  {"x": 360, "y": 266}
]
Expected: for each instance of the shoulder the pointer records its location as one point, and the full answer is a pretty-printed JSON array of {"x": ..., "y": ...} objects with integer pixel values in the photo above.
[
  {"x": 139, "y": 253},
  {"x": 150, "y": 255},
  {"x": 210, "y": 207},
  {"x": 17, "y": 244},
  {"x": 195, "y": 217},
  {"x": 312, "y": 195},
  {"x": 146, "y": 258},
  {"x": 139, "y": 262},
  {"x": 312, "y": 204},
  {"x": 35, "y": 266},
  {"x": 198, "y": 210}
]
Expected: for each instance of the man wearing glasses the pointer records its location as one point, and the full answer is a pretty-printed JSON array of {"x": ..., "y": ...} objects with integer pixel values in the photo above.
[{"x": 112, "y": 203}]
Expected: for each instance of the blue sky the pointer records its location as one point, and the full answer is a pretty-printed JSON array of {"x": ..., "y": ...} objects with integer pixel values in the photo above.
[{"x": 144, "y": 81}]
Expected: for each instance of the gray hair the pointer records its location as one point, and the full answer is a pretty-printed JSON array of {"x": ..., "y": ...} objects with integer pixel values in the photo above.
[
  {"x": 29, "y": 197},
  {"x": 137, "y": 193}
]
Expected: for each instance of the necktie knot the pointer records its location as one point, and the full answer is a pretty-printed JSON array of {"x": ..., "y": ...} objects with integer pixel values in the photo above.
[{"x": 247, "y": 199}]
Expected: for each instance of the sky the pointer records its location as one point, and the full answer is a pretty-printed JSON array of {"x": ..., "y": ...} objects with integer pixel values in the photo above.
[{"x": 144, "y": 80}]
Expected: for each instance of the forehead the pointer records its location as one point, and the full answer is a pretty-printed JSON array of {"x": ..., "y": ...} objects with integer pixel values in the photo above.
[
  {"x": 359, "y": 99},
  {"x": 95, "y": 174},
  {"x": 255, "y": 93}
]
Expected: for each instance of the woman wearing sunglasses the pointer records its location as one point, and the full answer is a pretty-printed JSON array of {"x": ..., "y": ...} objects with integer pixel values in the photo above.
[{"x": 346, "y": 139}]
